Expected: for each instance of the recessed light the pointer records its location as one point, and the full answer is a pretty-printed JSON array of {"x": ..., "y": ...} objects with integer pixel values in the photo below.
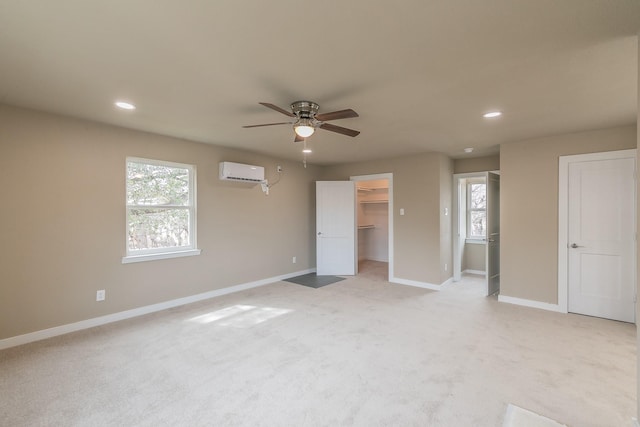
[
  {"x": 307, "y": 151},
  {"x": 492, "y": 114},
  {"x": 125, "y": 105},
  {"x": 468, "y": 150}
]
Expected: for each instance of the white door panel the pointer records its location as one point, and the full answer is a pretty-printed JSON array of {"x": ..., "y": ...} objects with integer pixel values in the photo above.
[
  {"x": 335, "y": 227},
  {"x": 601, "y": 240}
]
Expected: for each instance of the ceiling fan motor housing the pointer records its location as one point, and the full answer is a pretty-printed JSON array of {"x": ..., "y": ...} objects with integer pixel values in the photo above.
[{"x": 304, "y": 109}]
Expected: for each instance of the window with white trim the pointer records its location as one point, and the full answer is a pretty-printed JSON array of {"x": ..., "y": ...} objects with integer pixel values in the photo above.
[
  {"x": 161, "y": 209},
  {"x": 476, "y": 210}
]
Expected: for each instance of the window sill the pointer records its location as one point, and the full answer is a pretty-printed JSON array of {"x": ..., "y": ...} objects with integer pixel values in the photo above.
[
  {"x": 476, "y": 241},
  {"x": 165, "y": 255}
]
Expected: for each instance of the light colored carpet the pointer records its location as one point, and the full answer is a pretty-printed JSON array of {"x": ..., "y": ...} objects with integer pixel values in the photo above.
[
  {"x": 361, "y": 352},
  {"x": 520, "y": 417}
]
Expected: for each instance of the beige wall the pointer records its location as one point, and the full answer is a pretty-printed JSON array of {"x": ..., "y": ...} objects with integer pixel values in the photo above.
[
  {"x": 477, "y": 164},
  {"x": 529, "y": 207},
  {"x": 474, "y": 257},
  {"x": 63, "y": 218},
  {"x": 416, "y": 189}
]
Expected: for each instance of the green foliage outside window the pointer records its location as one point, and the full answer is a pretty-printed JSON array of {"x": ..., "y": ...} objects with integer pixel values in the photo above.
[{"x": 158, "y": 206}]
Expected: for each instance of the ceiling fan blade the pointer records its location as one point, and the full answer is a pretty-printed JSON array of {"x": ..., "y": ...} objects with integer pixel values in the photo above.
[
  {"x": 298, "y": 138},
  {"x": 335, "y": 115},
  {"x": 278, "y": 109},
  {"x": 267, "y": 124},
  {"x": 339, "y": 129}
]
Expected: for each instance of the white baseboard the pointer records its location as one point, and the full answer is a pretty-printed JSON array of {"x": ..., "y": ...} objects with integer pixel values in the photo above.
[
  {"x": 417, "y": 284},
  {"x": 530, "y": 303},
  {"x": 478, "y": 272},
  {"x": 122, "y": 315}
]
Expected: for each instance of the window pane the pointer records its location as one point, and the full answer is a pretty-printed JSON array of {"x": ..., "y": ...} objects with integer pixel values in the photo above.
[
  {"x": 149, "y": 184},
  {"x": 478, "y": 196},
  {"x": 478, "y": 224},
  {"x": 158, "y": 228}
]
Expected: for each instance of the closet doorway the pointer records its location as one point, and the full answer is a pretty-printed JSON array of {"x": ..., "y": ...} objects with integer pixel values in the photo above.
[{"x": 374, "y": 225}]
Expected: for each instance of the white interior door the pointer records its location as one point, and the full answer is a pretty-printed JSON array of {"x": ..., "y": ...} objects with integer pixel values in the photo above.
[
  {"x": 335, "y": 227},
  {"x": 601, "y": 238},
  {"x": 493, "y": 233}
]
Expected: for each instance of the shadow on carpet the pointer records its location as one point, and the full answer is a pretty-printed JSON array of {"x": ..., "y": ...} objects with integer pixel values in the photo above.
[{"x": 312, "y": 280}]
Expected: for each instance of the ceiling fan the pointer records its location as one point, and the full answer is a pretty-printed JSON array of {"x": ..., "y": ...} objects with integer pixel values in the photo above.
[{"x": 305, "y": 119}]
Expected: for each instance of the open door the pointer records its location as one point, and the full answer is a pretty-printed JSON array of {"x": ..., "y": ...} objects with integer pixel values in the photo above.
[
  {"x": 493, "y": 233},
  {"x": 335, "y": 228}
]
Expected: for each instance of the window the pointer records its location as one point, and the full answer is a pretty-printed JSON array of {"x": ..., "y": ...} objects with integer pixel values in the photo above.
[
  {"x": 161, "y": 213},
  {"x": 476, "y": 210}
]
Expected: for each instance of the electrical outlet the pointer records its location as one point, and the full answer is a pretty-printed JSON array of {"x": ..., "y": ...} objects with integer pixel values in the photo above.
[
  {"x": 446, "y": 266},
  {"x": 293, "y": 260},
  {"x": 100, "y": 295}
]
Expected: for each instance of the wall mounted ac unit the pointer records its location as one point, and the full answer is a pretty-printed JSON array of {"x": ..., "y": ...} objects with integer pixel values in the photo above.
[{"x": 241, "y": 173}]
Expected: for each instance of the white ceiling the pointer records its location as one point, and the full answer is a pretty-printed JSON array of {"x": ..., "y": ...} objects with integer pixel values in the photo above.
[{"x": 419, "y": 72}]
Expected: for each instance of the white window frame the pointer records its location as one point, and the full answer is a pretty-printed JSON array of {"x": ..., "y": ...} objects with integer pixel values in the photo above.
[
  {"x": 163, "y": 253},
  {"x": 470, "y": 238}
]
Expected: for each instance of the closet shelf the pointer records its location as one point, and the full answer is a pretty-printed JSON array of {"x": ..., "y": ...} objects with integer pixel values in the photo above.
[
  {"x": 364, "y": 227},
  {"x": 374, "y": 201}
]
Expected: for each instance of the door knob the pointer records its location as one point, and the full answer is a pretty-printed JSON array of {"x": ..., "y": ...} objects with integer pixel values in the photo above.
[
  {"x": 573, "y": 245},
  {"x": 319, "y": 233}
]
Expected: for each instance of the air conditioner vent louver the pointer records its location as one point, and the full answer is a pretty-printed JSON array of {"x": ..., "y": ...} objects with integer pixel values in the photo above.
[
  {"x": 239, "y": 178},
  {"x": 239, "y": 172}
]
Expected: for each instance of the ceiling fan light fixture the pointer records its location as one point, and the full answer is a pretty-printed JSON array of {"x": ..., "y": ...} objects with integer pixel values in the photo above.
[
  {"x": 304, "y": 128},
  {"x": 304, "y": 131}
]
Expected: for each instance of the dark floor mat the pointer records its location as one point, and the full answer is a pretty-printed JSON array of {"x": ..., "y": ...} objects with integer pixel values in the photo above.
[{"x": 312, "y": 280}]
